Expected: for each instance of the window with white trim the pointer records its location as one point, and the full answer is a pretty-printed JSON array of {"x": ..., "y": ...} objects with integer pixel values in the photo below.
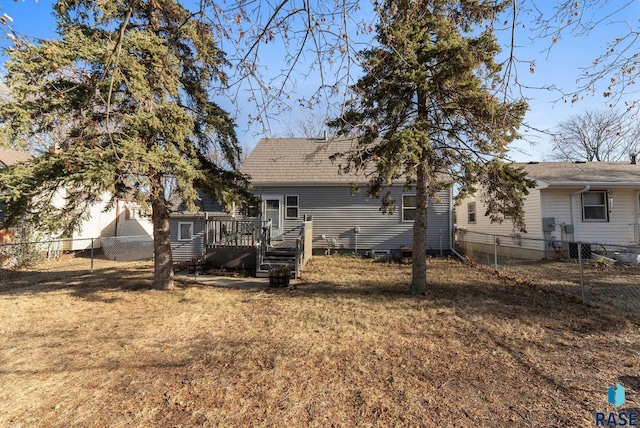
[
  {"x": 471, "y": 212},
  {"x": 594, "y": 206},
  {"x": 408, "y": 207},
  {"x": 291, "y": 206},
  {"x": 185, "y": 231},
  {"x": 133, "y": 213}
]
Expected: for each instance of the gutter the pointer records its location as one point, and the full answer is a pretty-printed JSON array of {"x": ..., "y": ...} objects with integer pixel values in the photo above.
[
  {"x": 573, "y": 215},
  {"x": 595, "y": 184}
]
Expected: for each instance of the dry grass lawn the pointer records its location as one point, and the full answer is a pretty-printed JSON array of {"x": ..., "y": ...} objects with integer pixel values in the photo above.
[{"x": 348, "y": 347}]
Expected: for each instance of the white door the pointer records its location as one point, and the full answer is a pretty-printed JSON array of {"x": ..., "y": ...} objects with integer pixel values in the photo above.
[{"x": 272, "y": 210}]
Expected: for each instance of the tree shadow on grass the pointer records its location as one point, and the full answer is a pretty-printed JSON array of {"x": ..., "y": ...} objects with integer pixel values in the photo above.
[
  {"x": 80, "y": 281},
  {"x": 473, "y": 293},
  {"x": 482, "y": 294}
]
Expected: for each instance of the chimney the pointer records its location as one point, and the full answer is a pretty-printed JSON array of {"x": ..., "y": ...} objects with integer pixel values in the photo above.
[
  {"x": 326, "y": 135},
  {"x": 633, "y": 158}
]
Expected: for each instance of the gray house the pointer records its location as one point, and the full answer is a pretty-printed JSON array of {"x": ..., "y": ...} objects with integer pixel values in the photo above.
[
  {"x": 296, "y": 181},
  {"x": 193, "y": 233}
]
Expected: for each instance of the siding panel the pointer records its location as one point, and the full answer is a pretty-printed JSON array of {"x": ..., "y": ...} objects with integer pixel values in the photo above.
[
  {"x": 185, "y": 250},
  {"x": 532, "y": 217},
  {"x": 336, "y": 213},
  {"x": 620, "y": 229}
]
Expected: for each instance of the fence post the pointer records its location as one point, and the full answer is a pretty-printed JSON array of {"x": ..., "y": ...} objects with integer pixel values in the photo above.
[
  {"x": 584, "y": 297},
  {"x": 495, "y": 252},
  {"x": 91, "y": 255}
]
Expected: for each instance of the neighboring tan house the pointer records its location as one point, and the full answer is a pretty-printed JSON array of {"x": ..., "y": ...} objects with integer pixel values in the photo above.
[
  {"x": 596, "y": 202},
  {"x": 296, "y": 180},
  {"x": 9, "y": 157}
]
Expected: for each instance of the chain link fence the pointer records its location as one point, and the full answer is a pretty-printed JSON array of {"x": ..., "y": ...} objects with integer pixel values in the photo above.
[
  {"x": 72, "y": 254},
  {"x": 600, "y": 274}
]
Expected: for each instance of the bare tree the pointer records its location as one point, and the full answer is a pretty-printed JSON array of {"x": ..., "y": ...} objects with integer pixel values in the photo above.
[
  {"x": 310, "y": 125},
  {"x": 312, "y": 42},
  {"x": 597, "y": 135},
  {"x": 613, "y": 70}
]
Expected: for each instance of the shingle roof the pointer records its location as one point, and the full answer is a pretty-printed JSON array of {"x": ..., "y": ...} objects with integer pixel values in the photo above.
[
  {"x": 570, "y": 173},
  {"x": 10, "y": 157},
  {"x": 302, "y": 161}
]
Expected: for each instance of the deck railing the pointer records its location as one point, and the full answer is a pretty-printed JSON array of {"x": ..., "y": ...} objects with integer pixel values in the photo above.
[
  {"x": 234, "y": 233},
  {"x": 299, "y": 251},
  {"x": 303, "y": 246}
]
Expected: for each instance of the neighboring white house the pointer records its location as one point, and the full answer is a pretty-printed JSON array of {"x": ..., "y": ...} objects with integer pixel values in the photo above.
[
  {"x": 573, "y": 201},
  {"x": 125, "y": 218}
]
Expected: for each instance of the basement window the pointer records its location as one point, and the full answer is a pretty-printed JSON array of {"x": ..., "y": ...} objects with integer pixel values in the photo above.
[{"x": 594, "y": 206}]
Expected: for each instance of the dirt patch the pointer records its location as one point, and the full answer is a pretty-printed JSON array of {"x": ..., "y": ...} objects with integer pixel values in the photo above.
[{"x": 348, "y": 347}]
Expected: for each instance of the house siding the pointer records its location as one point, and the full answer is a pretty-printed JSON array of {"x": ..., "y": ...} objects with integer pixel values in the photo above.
[
  {"x": 556, "y": 203},
  {"x": 532, "y": 210},
  {"x": 336, "y": 212},
  {"x": 619, "y": 229},
  {"x": 186, "y": 250},
  {"x": 102, "y": 222}
]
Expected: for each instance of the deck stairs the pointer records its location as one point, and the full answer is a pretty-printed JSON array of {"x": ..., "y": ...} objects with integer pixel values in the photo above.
[{"x": 279, "y": 253}]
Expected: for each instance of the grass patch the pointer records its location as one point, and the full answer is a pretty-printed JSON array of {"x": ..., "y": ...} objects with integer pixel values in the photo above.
[{"x": 349, "y": 346}]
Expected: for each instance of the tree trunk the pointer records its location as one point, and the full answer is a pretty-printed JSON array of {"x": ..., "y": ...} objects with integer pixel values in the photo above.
[
  {"x": 162, "y": 259},
  {"x": 419, "y": 256}
]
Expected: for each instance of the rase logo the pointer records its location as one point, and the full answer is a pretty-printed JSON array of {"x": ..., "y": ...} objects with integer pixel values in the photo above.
[{"x": 615, "y": 395}]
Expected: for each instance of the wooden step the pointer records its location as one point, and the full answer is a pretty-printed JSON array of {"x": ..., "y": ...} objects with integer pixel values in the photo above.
[{"x": 280, "y": 253}]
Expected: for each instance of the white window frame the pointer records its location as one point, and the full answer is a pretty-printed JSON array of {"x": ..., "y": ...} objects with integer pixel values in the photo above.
[
  {"x": 182, "y": 223},
  {"x": 408, "y": 208},
  {"x": 473, "y": 212},
  {"x": 287, "y": 206},
  {"x": 135, "y": 213},
  {"x": 604, "y": 206}
]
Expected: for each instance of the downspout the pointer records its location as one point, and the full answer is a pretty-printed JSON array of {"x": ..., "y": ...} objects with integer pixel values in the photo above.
[
  {"x": 451, "y": 231},
  {"x": 573, "y": 214}
]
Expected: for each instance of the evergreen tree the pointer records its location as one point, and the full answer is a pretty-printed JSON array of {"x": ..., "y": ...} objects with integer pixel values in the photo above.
[
  {"x": 425, "y": 111},
  {"x": 129, "y": 82}
]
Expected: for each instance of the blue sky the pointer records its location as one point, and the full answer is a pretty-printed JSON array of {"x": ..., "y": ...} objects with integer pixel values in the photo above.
[{"x": 560, "y": 66}]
